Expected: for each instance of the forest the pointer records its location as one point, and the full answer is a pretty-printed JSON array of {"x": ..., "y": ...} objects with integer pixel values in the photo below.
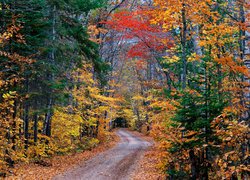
[{"x": 175, "y": 70}]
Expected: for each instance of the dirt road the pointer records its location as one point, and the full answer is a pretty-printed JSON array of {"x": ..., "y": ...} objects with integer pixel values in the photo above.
[{"x": 116, "y": 163}]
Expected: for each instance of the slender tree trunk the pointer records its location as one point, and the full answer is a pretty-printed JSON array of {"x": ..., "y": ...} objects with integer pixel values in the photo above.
[
  {"x": 246, "y": 53},
  {"x": 35, "y": 128},
  {"x": 26, "y": 124},
  {"x": 35, "y": 118},
  {"x": 219, "y": 86},
  {"x": 245, "y": 56},
  {"x": 184, "y": 45},
  {"x": 47, "y": 120},
  {"x": 198, "y": 51},
  {"x": 14, "y": 128},
  {"x": 48, "y": 115},
  {"x": 26, "y": 116}
]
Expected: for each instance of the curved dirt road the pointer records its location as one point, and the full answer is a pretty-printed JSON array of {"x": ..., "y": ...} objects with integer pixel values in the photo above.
[{"x": 116, "y": 163}]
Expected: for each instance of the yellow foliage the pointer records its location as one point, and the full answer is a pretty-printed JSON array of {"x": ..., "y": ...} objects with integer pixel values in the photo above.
[
  {"x": 65, "y": 129},
  {"x": 137, "y": 98},
  {"x": 172, "y": 59}
]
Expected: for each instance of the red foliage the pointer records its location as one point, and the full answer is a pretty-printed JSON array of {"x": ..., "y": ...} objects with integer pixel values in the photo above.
[{"x": 143, "y": 37}]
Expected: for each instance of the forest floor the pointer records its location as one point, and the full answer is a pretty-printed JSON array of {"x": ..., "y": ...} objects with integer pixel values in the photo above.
[{"x": 129, "y": 156}]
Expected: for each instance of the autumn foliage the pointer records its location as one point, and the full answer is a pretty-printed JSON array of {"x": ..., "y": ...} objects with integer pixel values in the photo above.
[
  {"x": 190, "y": 60},
  {"x": 51, "y": 99},
  {"x": 176, "y": 70}
]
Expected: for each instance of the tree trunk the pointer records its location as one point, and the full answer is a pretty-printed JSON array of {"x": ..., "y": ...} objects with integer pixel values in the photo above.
[
  {"x": 47, "y": 120},
  {"x": 48, "y": 115},
  {"x": 26, "y": 116},
  {"x": 26, "y": 125},
  {"x": 247, "y": 56},
  {"x": 194, "y": 169},
  {"x": 14, "y": 128},
  {"x": 184, "y": 44},
  {"x": 35, "y": 128}
]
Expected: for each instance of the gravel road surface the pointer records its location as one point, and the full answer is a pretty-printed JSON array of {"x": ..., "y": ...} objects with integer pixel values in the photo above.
[{"x": 117, "y": 163}]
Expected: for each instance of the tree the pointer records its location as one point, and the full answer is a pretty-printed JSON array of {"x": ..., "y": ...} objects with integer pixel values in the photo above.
[{"x": 42, "y": 43}]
